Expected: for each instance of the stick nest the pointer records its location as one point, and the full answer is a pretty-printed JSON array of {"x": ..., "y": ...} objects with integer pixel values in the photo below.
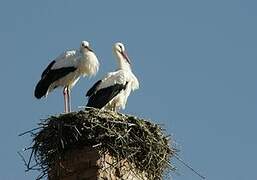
[{"x": 142, "y": 144}]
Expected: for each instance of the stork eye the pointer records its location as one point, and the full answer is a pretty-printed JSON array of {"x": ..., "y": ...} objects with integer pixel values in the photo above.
[{"x": 120, "y": 47}]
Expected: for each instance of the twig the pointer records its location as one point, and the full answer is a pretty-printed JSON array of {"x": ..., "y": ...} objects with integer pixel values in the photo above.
[
  {"x": 23, "y": 159},
  {"x": 30, "y": 131},
  {"x": 188, "y": 166}
]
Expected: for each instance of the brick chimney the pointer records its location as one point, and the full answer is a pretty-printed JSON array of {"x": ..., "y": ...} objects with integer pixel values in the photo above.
[{"x": 87, "y": 164}]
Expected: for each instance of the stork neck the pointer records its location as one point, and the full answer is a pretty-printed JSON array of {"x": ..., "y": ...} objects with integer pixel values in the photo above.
[
  {"x": 83, "y": 51},
  {"x": 122, "y": 62}
]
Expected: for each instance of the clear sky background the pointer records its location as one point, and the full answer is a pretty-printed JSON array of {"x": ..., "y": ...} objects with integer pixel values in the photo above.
[{"x": 196, "y": 62}]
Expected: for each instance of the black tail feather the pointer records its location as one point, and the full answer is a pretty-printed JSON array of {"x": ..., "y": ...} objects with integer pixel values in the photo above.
[{"x": 41, "y": 88}]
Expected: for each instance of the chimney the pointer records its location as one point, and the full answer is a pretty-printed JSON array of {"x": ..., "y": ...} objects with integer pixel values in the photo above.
[{"x": 88, "y": 164}]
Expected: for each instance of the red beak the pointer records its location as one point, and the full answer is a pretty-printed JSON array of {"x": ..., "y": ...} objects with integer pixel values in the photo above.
[
  {"x": 124, "y": 54},
  {"x": 89, "y": 49}
]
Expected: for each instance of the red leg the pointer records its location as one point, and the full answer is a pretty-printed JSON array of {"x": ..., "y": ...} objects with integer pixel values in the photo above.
[
  {"x": 69, "y": 100},
  {"x": 65, "y": 100}
]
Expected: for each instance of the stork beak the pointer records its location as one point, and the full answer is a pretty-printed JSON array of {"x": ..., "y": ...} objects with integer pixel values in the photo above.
[
  {"x": 89, "y": 49},
  {"x": 124, "y": 54}
]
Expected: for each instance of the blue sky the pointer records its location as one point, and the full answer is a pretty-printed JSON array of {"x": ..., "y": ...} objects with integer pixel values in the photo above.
[{"x": 196, "y": 62}]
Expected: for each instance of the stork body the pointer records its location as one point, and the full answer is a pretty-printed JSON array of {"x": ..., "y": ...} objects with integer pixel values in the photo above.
[
  {"x": 66, "y": 70},
  {"x": 113, "y": 90}
]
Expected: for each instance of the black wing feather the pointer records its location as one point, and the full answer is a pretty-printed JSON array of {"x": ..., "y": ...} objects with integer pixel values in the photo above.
[
  {"x": 105, "y": 95},
  {"x": 48, "y": 77},
  {"x": 93, "y": 89},
  {"x": 48, "y": 68}
]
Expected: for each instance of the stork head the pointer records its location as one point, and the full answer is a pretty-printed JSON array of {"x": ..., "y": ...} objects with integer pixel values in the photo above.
[
  {"x": 85, "y": 46},
  {"x": 119, "y": 50}
]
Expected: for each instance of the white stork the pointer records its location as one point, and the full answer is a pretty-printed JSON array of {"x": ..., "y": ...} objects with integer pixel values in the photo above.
[
  {"x": 113, "y": 90},
  {"x": 66, "y": 70}
]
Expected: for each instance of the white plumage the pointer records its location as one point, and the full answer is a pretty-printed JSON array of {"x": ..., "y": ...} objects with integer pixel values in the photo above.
[
  {"x": 66, "y": 70},
  {"x": 113, "y": 90}
]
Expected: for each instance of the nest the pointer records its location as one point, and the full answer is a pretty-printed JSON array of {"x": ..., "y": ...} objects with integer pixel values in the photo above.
[{"x": 142, "y": 144}]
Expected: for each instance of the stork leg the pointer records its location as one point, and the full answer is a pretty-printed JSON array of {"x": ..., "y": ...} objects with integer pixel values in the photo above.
[
  {"x": 69, "y": 100},
  {"x": 65, "y": 100}
]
